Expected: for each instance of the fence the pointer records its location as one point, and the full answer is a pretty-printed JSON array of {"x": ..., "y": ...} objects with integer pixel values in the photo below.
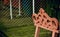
[{"x": 17, "y": 13}]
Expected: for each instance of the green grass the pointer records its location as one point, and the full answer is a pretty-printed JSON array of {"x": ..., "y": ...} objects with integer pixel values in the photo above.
[
  {"x": 22, "y": 27},
  {"x": 27, "y": 31}
]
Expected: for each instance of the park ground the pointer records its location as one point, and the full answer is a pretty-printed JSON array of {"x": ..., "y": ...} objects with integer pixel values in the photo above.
[{"x": 21, "y": 27}]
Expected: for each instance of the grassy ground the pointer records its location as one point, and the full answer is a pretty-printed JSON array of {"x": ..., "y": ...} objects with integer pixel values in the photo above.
[{"x": 22, "y": 27}]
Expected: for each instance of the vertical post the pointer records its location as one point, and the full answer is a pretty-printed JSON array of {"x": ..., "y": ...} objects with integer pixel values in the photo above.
[
  {"x": 37, "y": 32},
  {"x": 53, "y": 34},
  {"x": 19, "y": 8},
  {"x": 11, "y": 9},
  {"x": 33, "y": 7}
]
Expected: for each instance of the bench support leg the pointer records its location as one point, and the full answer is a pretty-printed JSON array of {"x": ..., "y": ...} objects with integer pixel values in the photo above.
[
  {"x": 37, "y": 32},
  {"x": 53, "y": 34}
]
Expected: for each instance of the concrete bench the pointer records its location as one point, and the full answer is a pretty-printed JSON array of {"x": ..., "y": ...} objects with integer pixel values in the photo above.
[{"x": 42, "y": 20}]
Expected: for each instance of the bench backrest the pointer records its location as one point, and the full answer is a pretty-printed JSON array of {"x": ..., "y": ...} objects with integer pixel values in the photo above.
[{"x": 44, "y": 21}]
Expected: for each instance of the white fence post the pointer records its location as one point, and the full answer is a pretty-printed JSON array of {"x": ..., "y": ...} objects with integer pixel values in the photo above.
[
  {"x": 33, "y": 7},
  {"x": 19, "y": 8},
  {"x": 11, "y": 9}
]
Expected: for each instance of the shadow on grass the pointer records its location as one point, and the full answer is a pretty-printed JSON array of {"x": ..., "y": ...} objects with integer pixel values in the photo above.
[{"x": 2, "y": 29}]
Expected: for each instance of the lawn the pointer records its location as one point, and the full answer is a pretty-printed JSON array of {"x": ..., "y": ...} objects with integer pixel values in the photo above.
[{"x": 21, "y": 27}]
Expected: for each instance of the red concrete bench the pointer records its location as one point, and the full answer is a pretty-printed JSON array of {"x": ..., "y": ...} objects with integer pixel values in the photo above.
[{"x": 42, "y": 20}]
